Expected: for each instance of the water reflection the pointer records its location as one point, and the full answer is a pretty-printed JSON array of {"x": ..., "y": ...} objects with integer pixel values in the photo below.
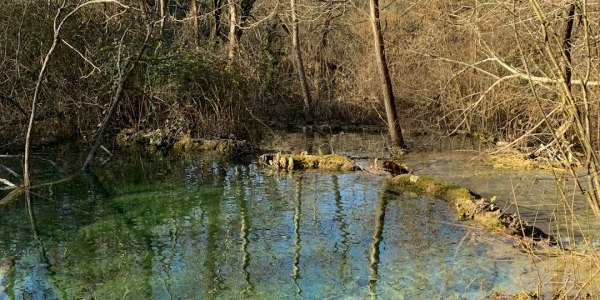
[
  {"x": 375, "y": 251},
  {"x": 297, "y": 247},
  {"x": 198, "y": 227}
]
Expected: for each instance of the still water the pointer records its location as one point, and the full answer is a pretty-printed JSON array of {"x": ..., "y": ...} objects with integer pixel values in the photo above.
[{"x": 199, "y": 227}]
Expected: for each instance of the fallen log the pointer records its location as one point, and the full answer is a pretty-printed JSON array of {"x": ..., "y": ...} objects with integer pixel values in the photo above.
[
  {"x": 229, "y": 147},
  {"x": 330, "y": 162},
  {"x": 471, "y": 206}
]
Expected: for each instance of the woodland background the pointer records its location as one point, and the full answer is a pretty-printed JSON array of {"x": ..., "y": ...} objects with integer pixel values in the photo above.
[{"x": 476, "y": 66}]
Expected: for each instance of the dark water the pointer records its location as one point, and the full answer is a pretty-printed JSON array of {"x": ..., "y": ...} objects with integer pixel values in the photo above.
[{"x": 198, "y": 227}]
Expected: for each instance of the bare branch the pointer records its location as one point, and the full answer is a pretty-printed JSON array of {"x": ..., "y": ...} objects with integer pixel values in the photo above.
[
  {"x": 82, "y": 56},
  {"x": 7, "y": 183}
]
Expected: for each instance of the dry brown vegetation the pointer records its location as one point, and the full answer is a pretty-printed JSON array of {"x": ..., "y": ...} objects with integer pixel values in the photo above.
[
  {"x": 453, "y": 64},
  {"x": 525, "y": 73}
]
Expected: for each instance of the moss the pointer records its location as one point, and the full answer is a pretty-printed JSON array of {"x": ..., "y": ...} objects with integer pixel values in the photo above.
[
  {"x": 106, "y": 250},
  {"x": 145, "y": 210},
  {"x": 227, "y": 147},
  {"x": 461, "y": 198},
  {"x": 330, "y": 162},
  {"x": 110, "y": 259},
  {"x": 185, "y": 143},
  {"x": 469, "y": 206}
]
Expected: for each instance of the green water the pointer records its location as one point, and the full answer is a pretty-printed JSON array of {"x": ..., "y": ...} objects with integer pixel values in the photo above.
[{"x": 199, "y": 227}]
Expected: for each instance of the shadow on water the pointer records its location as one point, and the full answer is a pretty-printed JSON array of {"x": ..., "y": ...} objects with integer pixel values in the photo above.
[{"x": 201, "y": 227}]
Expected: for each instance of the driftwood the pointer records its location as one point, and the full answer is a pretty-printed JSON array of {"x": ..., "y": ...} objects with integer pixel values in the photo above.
[{"x": 228, "y": 147}]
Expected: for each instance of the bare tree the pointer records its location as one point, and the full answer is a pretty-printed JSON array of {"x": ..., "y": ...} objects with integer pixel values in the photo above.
[
  {"x": 394, "y": 128},
  {"x": 195, "y": 24},
  {"x": 233, "y": 27},
  {"x": 123, "y": 77},
  {"x": 308, "y": 113},
  {"x": 58, "y": 24}
]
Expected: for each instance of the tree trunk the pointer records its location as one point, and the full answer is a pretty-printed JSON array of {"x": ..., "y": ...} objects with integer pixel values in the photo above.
[
  {"x": 232, "y": 32},
  {"x": 394, "y": 128},
  {"x": 217, "y": 11},
  {"x": 162, "y": 7},
  {"x": 36, "y": 93},
  {"x": 195, "y": 23},
  {"x": 246, "y": 8},
  {"x": 128, "y": 69},
  {"x": 308, "y": 115},
  {"x": 567, "y": 44}
]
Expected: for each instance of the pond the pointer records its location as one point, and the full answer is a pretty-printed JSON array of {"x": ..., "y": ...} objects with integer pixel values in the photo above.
[
  {"x": 157, "y": 226},
  {"x": 532, "y": 194}
]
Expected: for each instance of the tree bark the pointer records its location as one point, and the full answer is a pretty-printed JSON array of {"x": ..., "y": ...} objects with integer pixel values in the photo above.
[
  {"x": 195, "y": 23},
  {"x": 162, "y": 5},
  {"x": 394, "y": 129},
  {"x": 308, "y": 114},
  {"x": 233, "y": 27},
  {"x": 217, "y": 11},
  {"x": 246, "y": 8}
]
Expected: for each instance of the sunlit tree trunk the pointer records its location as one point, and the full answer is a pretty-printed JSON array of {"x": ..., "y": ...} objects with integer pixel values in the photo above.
[
  {"x": 195, "y": 23},
  {"x": 394, "y": 129},
  {"x": 162, "y": 6},
  {"x": 308, "y": 117},
  {"x": 232, "y": 31}
]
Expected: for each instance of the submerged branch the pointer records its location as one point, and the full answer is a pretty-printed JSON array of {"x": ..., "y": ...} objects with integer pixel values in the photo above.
[{"x": 17, "y": 190}]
